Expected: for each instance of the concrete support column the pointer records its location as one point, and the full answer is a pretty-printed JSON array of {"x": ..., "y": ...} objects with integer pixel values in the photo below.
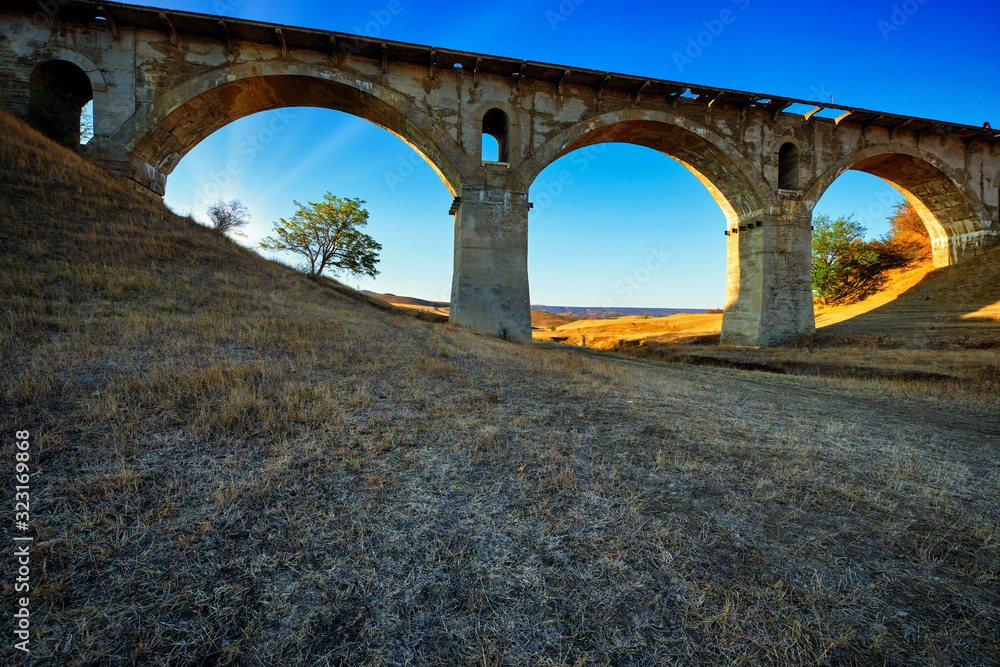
[
  {"x": 768, "y": 291},
  {"x": 489, "y": 290},
  {"x": 742, "y": 307}
]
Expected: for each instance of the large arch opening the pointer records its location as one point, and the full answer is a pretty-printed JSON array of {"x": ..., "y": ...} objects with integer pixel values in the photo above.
[
  {"x": 860, "y": 205},
  {"x": 678, "y": 229},
  {"x": 869, "y": 199},
  {"x": 622, "y": 227},
  {"x": 269, "y": 158},
  {"x": 953, "y": 217},
  {"x": 58, "y": 93},
  {"x": 735, "y": 187}
]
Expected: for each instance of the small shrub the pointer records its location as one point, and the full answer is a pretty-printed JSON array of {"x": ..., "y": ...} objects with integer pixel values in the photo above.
[{"x": 228, "y": 216}]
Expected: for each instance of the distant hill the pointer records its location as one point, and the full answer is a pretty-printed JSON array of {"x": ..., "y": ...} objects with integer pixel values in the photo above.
[
  {"x": 594, "y": 313},
  {"x": 608, "y": 332},
  {"x": 955, "y": 305},
  {"x": 539, "y": 319},
  {"x": 565, "y": 314}
]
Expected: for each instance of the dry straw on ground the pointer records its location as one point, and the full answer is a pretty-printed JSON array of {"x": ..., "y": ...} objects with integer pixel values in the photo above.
[{"x": 236, "y": 465}]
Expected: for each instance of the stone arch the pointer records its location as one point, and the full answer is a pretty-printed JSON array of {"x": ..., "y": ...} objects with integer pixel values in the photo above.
[
  {"x": 93, "y": 72},
  {"x": 58, "y": 90},
  {"x": 754, "y": 216},
  {"x": 955, "y": 217},
  {"x": 163, "y": 131},
  {"x": 733, "y": 182},
  {"x": 786, "y": 139}
]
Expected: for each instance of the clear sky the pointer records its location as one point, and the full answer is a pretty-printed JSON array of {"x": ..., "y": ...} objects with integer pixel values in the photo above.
[{"x": 925, "y": 58}]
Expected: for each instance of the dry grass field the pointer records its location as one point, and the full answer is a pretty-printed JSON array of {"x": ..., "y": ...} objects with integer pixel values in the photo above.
[
  {"x": 926, "y": 330},
  {"x": 605, "y": 334},
  {"x": 235, "y": 465},
  {"x": 930, "y": 331}
]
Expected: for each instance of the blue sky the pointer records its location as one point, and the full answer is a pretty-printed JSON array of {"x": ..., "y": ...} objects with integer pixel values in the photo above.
[{"x": 624, "y": 203}]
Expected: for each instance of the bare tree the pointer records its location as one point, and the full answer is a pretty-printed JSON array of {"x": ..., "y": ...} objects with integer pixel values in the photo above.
[{"x": 227, "y": 216}]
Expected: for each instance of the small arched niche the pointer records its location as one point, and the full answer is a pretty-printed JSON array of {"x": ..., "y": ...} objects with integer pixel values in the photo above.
[
  {"x": 58, "y": 92},
  {"x": 497, "y": 125},
  {"x": 788, "y": 166}
]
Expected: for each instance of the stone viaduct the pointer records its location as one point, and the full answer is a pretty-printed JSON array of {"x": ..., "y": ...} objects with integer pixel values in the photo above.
[{"x": 161, "y": 81}]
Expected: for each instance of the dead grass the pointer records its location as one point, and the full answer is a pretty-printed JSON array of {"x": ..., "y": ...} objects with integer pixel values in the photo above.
[
  {"x": 962, "y": 371},
  {"x": 608, "y": 333},
  {"x": 236, "y": 465},
  {"x": 930, "y": 332}
]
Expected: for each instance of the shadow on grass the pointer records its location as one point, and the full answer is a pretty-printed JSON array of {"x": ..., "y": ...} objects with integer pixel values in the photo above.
[{"x": 936, "y": 310}]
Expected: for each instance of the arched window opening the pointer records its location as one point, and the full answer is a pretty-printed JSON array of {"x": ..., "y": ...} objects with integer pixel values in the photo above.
[
  {"x": 497, "y": 125},
  {"x": 58, "y": 92},
  {"x": 788, "y": 166}
]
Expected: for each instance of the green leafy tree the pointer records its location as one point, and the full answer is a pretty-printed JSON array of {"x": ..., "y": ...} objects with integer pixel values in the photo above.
[
  {"x": 847, "y": 268},
  {"x": 328, "y": 235},
  {"x": 840, "y": 257},
  {"x": 906, "y": 220}
]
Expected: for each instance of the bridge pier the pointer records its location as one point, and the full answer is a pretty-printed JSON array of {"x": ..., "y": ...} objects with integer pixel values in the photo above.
[
  {"x": 768, "y": 291},
  {"x": 489, "y": 290}
]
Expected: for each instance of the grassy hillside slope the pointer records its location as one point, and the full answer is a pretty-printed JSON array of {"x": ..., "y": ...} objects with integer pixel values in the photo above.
[
  {"x": 539, "y": 318},
  {"x": 922, "y": 304},
  {"x": 232, "y": 464}
]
